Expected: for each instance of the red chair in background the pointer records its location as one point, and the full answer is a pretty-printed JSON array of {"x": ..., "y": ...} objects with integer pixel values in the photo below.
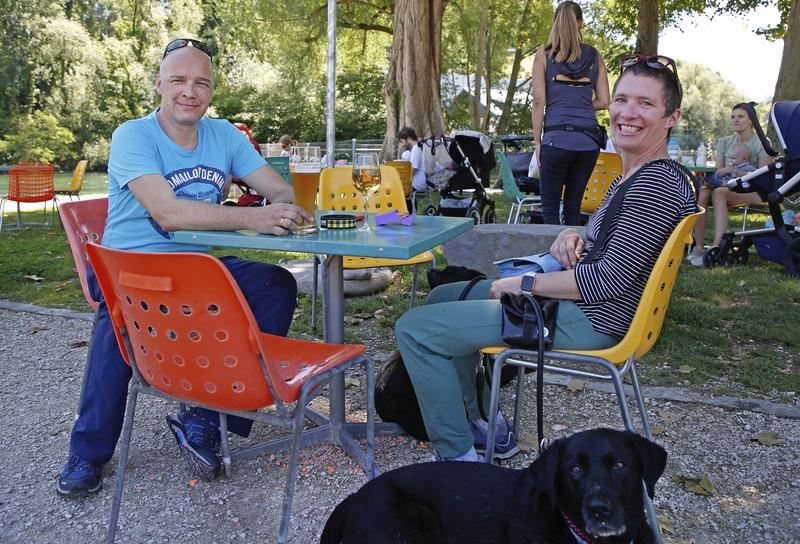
[
  {"x": 30, "y": 182},
  {"x": 189, "y": 335}
]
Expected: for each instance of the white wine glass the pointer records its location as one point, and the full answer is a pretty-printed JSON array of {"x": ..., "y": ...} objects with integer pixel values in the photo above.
[{"x": 366, "y": 179}]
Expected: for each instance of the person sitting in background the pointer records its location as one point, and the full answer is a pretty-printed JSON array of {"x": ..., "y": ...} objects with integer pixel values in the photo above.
[
  {"x": 286, "y": 145},
  {"x": 720, "y": 197},
  {"x": 413, "y": 152},
  {"x": 739, "y": 155}
]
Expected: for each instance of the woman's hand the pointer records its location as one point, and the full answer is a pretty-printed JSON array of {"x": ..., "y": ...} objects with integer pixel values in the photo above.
[
  {"x": 567, "y": 248},
  {"x": 511, "y": 285},
  {"x": 278, "y": 219}
]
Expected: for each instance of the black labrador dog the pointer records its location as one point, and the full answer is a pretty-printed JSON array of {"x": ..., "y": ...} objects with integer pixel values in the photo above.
[{"x": 585, "y": 488}]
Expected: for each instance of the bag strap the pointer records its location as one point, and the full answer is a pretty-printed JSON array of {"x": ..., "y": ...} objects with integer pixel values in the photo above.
[
  {"x": 468, "y": 287},
  {"x": 530, "y": 301}
]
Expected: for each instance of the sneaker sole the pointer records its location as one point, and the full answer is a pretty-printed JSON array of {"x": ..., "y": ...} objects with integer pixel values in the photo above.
[
  {"x": 82, "y": 493},
  {"x": 499, "y": 455},
  {"x": 198, "y": 465}
]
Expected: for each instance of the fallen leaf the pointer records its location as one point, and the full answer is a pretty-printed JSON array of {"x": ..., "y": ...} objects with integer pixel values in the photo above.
[
  {"x": 740, "y": 283},
  {"x": 657, "y": 430},
  {"x": 576, "y": 386},
  {"x": 527, "y": 445},
  {"x": 351, "y": 382},
  {"x": 37, "y": 328},
  {"x": 424, "y": 445},
  {"x": 666, "y": 524},
  {"x": 363, "y": 316},
  {"x": 330, "y": 469},
  {"x": 787, "y": 370},
  {"x": 193, "y": 483},
  {"x": 699, "y": 485},
  {"x": 767, "y": 438},
  {"x": 558, "y": 427},
  {"x": 78, "y": 343},
  {"x": 669, "y": 417},
  {"x": 685, "y": 369},
  {"x": 33, "y": 277}
]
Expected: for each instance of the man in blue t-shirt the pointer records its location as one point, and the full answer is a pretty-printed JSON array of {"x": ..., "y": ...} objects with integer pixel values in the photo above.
[{"x": 168, "y": 171}]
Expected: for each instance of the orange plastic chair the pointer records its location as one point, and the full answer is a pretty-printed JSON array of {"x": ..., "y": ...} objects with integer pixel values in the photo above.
[
  {"x": 30, "y": 182},
  {"x": 84, "y": 222},
  {"x": 76, "y": 183},
  {"x": 337, "y": 192},
  {"x": 192, "y": 338}
]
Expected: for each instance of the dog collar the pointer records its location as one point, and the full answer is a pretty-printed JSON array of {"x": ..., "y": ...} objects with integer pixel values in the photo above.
[{"x": 580, "y": 536}]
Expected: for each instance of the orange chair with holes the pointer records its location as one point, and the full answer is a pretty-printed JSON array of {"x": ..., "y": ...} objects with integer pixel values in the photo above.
[
  {"x": 337, "y": 192},
  {"x": 76, "y": 183},
  {"x": 30, "y": 182},
  {"x": 192, "y": 338},
  {"x": 84, "y": 222}
]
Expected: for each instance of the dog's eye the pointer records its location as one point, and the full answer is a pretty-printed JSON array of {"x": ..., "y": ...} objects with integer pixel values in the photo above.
[
  {"x": 619, "y": 465},
  {"x": 576, "y": 469}
]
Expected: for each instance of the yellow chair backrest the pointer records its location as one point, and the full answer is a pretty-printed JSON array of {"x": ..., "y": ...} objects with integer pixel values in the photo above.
[
  {"x": 649, "y": 316},
  {"x": 606, "y": 170},
  {"x": 404, "y": 169},
  {"x": 337, "y": 192},
  {"x": 76, "y": 184}
]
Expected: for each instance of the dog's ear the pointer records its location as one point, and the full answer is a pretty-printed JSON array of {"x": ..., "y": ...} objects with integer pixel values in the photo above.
[
  {"x": 652, "y": 458},
  {"x": 545, "y": 472}
]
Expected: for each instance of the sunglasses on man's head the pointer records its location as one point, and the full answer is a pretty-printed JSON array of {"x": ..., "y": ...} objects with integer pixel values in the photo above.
[
  {"x": 658, "y": 62},
  {"x": 180, "y": 43}
]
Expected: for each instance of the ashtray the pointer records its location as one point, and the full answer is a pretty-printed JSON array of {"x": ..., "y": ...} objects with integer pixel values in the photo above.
[{"x": 338, "y": 221}]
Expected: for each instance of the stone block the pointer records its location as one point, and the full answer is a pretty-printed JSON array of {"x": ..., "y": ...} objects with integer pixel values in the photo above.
[
  {"x": 357, "y": 282},
  {"x": 484, "y": 244}
]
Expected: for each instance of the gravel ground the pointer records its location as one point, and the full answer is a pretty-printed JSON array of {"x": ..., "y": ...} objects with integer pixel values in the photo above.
[{"x": 757, "y": 500}]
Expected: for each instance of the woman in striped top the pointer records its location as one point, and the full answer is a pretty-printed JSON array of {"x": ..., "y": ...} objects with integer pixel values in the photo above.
[{"x": 439, "y": 342}]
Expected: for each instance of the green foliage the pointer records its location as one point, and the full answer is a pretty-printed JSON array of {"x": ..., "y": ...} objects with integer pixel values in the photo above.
[
  {"x": 96, "y": 152},
  {"x": 38, "y": 138}
]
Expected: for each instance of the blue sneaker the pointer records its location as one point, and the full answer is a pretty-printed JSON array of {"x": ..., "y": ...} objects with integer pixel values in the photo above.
[
  {"x": 470, "y": 456},
  {"x": 505, "y": 443},
  {"x": 199, "y": 441},
  {"x": 80, "y": 478}
]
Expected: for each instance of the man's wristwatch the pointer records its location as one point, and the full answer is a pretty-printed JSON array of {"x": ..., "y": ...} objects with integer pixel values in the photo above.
[{"x": 528, "y": 282}]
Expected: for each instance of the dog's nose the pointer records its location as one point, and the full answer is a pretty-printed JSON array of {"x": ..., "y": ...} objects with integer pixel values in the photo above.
[{"x": 599, "y": 507}]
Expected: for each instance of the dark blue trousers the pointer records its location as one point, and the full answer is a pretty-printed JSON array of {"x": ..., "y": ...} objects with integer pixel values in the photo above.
[
  {"x": 271, "y": 292},
  {"x": 570, "y": 170}
]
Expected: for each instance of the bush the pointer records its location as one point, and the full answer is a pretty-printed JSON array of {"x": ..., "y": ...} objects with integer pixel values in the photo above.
[
  {"x": 96, "y": 152},
  {"x": 38, "y": 138}
]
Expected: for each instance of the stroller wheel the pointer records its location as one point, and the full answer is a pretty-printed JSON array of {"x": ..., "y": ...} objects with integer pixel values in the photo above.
[
  {"x": 791, "y": 258},
  {"x": 430, "y": 210},
  {"x": 475, "y": 214},
  {"x": 711, "y": 257},
  {"x": 489, "y": 216},
  {"x": 739, "y": 254}
]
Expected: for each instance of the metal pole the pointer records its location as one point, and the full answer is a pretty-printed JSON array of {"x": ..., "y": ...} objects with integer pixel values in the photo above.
[
  {"x": 330, "y": 143},
  {"x": 353, "y": 155}
]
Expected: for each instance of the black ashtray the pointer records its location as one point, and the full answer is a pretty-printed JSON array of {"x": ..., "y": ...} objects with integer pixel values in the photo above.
[{"x": 338, "y": 221}]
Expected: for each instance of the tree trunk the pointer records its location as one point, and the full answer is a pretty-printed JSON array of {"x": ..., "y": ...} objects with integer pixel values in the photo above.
[
  {"x": 519, "y": 54},
  {"x": 647, "y": 37},
  {"x": 788, "y": 85},
  {"x": 479, "y": 64},
  {"x": 412, "y": 92},
  {"x": 487, "y": 116}
]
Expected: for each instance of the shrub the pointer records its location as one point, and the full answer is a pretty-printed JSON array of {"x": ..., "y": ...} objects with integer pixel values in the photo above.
[
  {"x": 38, "y": 138},
  {"x": 97, "y": 152}
]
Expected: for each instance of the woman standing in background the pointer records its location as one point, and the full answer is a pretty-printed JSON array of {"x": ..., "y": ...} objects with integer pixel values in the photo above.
[{"x": 570, "y": 83}]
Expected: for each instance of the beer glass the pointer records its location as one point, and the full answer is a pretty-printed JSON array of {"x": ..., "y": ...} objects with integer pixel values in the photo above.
[{"x": 304, "y": 167}]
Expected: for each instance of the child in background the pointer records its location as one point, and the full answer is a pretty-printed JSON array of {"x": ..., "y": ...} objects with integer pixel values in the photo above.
[{"x": 738, "y": 161}]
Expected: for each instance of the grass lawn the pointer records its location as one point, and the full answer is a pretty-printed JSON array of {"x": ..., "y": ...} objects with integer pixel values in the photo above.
[{"x": 729, "y": 330}]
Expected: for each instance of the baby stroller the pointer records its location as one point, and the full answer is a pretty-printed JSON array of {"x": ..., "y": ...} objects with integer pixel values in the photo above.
[
  {"x": 519, "y": 152},
  {"x": 462, "y": 188},
  {"x": 777, "y": 183}
]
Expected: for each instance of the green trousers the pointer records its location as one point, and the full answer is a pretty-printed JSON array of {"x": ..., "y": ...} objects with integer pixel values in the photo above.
[{"x": 440, "y": 342}]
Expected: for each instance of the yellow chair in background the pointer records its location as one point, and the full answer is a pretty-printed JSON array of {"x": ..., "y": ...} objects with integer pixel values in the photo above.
[
  {"x": 76, "y": 183},
  {"x": 607, "y": 168},
  {"x": 617, "y": 360},
  {"x": 337, "y": 192}
]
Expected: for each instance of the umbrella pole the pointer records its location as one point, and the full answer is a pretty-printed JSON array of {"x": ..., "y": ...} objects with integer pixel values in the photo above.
[{"x": 330, "y": 142}]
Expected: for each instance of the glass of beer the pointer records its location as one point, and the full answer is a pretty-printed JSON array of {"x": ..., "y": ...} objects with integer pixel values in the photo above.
[
  {"x": 366, "y": 179},
  {"x": 304, "y": 166}
]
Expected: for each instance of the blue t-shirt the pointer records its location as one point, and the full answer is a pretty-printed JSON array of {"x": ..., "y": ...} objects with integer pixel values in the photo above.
[{"x": 140, "y": 147}]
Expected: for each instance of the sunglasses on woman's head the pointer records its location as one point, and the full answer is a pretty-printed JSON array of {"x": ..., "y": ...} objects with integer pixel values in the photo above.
[
  {"x": 180, "y": 43},
  {"x": 659, "y": 62}
]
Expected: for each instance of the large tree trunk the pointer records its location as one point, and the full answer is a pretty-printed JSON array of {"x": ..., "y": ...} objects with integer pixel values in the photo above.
[
  {"x": 412, "y": 92},
  {"x": 519, "y": 54},
  {"x": 788, "y": 84},
  {"x": 647, "y": 37}
]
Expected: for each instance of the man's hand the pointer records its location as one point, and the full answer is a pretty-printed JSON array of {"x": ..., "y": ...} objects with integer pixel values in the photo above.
[
  {"x": 567, "y": 248},
  {"x": 278, "y": 219},
  {"x": 511, "y": 285}
]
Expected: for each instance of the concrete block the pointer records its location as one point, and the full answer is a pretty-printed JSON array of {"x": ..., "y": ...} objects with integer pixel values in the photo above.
[
  {"x": 357, "y": 282},
  {"x": 484, "y": 244}
]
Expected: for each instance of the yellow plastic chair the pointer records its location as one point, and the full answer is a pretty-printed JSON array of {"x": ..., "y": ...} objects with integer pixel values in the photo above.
[
  {"x": 404, "y": 169},
  {"x": 607, "y": 168},
  {"x": 336, "y": 192},
  {"x": 617, "y": 360},
  {"x": 76, "y": 184}
]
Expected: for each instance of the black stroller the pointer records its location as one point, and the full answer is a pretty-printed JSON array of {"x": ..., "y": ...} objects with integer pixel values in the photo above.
[
  {"x": 463, "y": 189},
  {"x": 519, "y": 152},
  {"x": 777, "y": 183}
]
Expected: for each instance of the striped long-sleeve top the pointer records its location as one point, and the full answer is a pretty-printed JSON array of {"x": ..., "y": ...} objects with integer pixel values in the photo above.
[{"x": 612, "y": 285}]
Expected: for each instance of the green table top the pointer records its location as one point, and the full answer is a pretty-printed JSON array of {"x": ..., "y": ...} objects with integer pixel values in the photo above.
[{"x": 389, "y": 241}]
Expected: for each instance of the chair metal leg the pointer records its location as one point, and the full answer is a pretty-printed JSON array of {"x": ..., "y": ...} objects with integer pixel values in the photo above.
[
  {"x": 652, "y": 516},
  {"x": 226, "y": 450},
  {"x": 518, "y": 399},
  {"x": 291, "y": 477},
  {"x": 494, "y": 404},
  {"x": 637, "y": 390},
  {"x": 315, "y": 281},
  {"x": 519, "y": 211},
  {"x": 370, "y": 419},
  {"x": 127, "y": 432},
  {"x": 414, "y": 287},
  {"x": 619, "y": 389},
  {"x": 2, "y": 207},
  {"x": 510, "y": 212},
  {"x": 19, "y": 217},
  {"x": 86, "y": 367}
]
